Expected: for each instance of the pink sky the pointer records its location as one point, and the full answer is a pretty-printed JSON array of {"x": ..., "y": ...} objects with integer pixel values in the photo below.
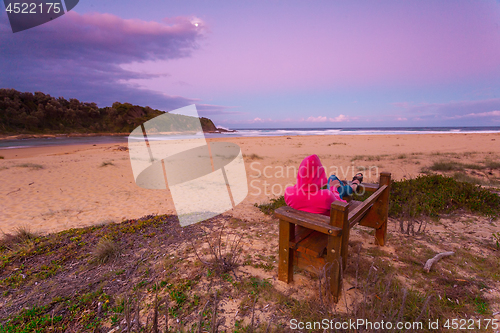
[{"x": 297, "y": 62}]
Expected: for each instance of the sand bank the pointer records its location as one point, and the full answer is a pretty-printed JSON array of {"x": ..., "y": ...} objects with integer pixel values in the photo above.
[{"x": 55, "y": 188}]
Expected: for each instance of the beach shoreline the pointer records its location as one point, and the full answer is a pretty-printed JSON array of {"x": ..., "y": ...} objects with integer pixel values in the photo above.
[
  {"x": 54, "y": 188},
  {"x": 52, "y": 136}
]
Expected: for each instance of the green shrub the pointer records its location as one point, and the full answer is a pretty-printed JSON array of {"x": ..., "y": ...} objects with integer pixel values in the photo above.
[
  {"x": 496, "y": 239},
  {"x": 35, "y": 319},
  {"x": 432, "y": 195},
  {"x": 269, "y": 208}
]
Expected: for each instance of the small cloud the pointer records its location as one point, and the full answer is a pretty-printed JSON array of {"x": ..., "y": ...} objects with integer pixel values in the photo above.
[
  {"x": 318, "y": 119},
  {"x": 210, "y": 110},
  {"x": 453, "y": 109},
  {"x": 401, "y": 119},
  {"x": 339, "y": 119},
  {"x": 477, "y": 115}
]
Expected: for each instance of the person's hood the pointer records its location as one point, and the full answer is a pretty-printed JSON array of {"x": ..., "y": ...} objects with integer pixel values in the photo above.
[{"x": 311, "y": 175}]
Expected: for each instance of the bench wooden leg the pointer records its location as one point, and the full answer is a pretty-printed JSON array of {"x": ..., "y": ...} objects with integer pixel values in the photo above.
[
  {"x": 381, "y": 234},
  {"x": 337, "y": 247},
  {"x": 285, "y": 266},
  {"x": 383, "y": 209},
  {"x": 377, "y": 216},
  {"x": 333, "y": 262}
]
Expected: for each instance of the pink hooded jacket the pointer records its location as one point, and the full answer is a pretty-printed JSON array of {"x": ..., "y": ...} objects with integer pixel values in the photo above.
[{"x": 307, "y": 194}]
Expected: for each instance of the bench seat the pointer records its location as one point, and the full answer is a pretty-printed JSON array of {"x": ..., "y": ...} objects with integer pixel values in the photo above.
[{"x": 313, "y": 241}]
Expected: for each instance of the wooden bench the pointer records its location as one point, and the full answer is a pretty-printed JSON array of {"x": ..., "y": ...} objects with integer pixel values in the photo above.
[{"x": 313, "y": 241}]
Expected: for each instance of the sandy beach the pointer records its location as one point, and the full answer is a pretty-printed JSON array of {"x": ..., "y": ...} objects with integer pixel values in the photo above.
[{"x": 50, "y": 189}]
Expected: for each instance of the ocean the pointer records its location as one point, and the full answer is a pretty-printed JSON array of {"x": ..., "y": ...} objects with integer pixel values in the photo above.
[
  {"x": 360, "y": 131},
  {"x": 25, "y": 143}
]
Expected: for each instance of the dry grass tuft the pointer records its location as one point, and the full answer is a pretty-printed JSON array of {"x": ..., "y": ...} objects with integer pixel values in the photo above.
[
  {"x": 465, "y": 178},
  {"x": 224, "y": 250},
  {"x": 492, "y": 164},
  {"x": 105, "y": 250},
  {"x": 253, "y": 157},
  {"x": 21, "y": 235}
]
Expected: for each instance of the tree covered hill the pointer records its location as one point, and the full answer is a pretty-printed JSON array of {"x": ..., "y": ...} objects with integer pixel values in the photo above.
[{"x": 39, "y": 113}]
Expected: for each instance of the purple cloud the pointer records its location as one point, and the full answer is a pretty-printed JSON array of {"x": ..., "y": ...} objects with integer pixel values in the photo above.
[
  {"x": 211, "y": 110},
  {"x": 454, "y": 110},
  {"x": 79, "y": 56},
  {"x": 322, "y": 119},
  {"x": 478, "y": 115}
]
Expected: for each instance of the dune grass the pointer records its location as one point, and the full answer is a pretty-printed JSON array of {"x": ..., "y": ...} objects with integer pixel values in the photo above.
[
  {"x": 368, "y": 157},
  {"x": 492, "y": 164},
  {"x": 30, "y": 165},
  {"x": 22, "y": 234},
  {"x": 253, "y": 157},
  {"x": 445, "y": 165},
  {"x": 1, "y": 157},
  {"x": 106, "y": 163},
  {"x": 463, "y": 177},
  {"x": 105, "y": 250}
]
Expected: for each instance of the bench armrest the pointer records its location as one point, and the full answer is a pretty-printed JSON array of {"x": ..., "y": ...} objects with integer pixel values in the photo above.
[
  {"x": 357, "y": 213},
  {"x": 316, "y": 222}
]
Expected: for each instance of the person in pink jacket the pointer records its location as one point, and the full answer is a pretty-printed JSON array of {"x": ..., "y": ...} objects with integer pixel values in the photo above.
[{"x": 308, "y": 194}]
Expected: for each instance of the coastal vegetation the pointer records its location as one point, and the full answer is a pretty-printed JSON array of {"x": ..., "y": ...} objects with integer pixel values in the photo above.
[
  {"x": 39, "y": 113},
  {"x": 151, "y": 275}
]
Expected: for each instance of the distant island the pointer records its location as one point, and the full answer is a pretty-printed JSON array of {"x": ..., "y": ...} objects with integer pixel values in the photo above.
[{"x": 24, "y": 114}]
